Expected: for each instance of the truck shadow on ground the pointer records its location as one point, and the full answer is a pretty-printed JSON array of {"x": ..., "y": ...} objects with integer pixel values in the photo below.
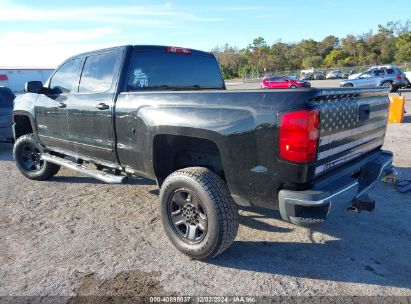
[
  {"x": 351, "y": 248},
  {"x": 252, "y": 219}
]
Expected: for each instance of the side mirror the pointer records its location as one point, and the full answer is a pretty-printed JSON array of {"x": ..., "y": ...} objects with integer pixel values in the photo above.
[{"x": 33, "y": 87}]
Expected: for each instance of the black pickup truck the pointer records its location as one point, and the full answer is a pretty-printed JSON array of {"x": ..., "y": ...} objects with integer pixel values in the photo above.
[{"x": 163, "y": 113}]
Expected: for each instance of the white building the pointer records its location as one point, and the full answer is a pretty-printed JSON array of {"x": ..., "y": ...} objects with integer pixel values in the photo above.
[{"x": 16, "y": 77}]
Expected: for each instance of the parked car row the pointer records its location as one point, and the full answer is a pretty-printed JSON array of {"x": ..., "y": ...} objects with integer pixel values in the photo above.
[
  {"x": 321, "y": 75},
  {"x": 381, "y": 76}
]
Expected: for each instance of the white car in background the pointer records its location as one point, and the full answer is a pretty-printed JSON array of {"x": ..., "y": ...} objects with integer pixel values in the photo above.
[
  {"x": 408, "y": 75},
  {"x": 336, "y": 74},
  {"x": 354, "y": 76}
]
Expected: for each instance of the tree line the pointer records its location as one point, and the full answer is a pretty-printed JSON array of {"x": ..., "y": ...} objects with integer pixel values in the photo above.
[{"x": 390, "y": 44}]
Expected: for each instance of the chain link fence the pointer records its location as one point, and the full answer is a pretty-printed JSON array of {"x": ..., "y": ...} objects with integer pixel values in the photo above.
[{"x": 258, "y": 76}]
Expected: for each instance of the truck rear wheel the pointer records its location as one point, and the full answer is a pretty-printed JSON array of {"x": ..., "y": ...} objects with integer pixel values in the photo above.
[
  {"x": 27, "y": 156},
  {"x": 198, "y": 213}
]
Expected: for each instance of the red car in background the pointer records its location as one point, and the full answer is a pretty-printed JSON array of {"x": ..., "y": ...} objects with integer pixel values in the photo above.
[{"x": 282, "y": 82}]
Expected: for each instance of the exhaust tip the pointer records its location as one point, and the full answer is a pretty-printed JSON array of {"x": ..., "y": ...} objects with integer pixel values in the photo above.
[{"x": 362, "y": 203}]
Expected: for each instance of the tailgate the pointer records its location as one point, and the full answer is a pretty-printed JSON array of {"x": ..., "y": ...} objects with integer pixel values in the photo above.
[{"x": 352, "y": 123}]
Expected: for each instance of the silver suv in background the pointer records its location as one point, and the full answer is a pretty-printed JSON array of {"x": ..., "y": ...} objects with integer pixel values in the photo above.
[{"x": 391, "y": 77}]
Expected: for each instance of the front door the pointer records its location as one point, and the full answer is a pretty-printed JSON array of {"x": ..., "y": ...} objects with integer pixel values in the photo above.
[
  {"x": 90, "y": 111},
  {"x": 364, "y": 80},
  {"x": 51, "y": 107}
]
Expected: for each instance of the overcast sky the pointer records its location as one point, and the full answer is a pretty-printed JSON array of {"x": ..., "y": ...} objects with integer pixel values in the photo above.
[{"x": 44, "y": 33}]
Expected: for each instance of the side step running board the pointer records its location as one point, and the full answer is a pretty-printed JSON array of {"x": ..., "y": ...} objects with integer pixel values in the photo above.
[{"x": 102, "y": 176}]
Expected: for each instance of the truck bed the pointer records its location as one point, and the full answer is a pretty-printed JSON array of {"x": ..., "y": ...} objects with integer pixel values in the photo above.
[{"x": 247, "y": 121}]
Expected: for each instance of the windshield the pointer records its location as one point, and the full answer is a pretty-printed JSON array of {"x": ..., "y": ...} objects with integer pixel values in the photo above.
[{"x": 170, "y": 71}]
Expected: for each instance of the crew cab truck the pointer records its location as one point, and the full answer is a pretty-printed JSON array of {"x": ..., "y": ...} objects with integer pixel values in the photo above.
[{"x": 163, "y": 113}]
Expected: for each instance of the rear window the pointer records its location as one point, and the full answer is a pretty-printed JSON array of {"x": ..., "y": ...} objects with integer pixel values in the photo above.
[
  {"x": 163, "y": 71},
  {"x": 98, "y": 73}
]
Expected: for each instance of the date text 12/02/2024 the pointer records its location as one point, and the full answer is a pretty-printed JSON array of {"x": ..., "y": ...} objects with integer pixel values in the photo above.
[{"x": 177, "y": 299}]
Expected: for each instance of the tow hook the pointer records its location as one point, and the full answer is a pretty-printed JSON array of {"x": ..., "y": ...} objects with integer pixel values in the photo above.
[{"x": 362, "y": 203}]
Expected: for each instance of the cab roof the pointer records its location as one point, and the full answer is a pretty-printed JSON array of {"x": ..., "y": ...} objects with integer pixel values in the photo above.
[{"x": 141, "y": 48}]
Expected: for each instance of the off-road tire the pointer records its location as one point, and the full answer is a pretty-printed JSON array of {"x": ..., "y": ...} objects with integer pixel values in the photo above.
[
  {"x": 45, "y": 169},
  {"x": 219, "y": 207}
]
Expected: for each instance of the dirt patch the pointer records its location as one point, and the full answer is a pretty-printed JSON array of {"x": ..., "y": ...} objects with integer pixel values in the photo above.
[{"x": 131, "y": 285}]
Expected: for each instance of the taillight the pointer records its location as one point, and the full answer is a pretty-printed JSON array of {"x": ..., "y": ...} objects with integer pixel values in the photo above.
[
  {"x": 178, "y": 50},
  {"x": 299, "y": 133},
  {"x": 399, "y": 76}
]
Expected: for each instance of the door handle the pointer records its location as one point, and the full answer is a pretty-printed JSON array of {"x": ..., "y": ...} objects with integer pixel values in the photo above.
[
  {"x": 102, "y": 106},
  {"x": 364, "y": 112},
  {"x": 62, "y": 105}
]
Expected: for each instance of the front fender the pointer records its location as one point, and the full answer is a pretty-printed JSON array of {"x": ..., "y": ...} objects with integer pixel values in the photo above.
[{"x": 24, "y": 105}]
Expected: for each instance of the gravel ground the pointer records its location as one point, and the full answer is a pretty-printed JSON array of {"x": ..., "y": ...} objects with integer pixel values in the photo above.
[{"x": 74, "y": 236}]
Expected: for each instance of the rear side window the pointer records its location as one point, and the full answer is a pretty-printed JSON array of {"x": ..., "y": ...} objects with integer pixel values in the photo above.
[
  {"x": 163, "y": 70},
  {"x": 389, "y": 71},
  {"x": 98, "y": 73},
  {"x": 369, "y": 72},
  {"x": 64, "y": 80}
]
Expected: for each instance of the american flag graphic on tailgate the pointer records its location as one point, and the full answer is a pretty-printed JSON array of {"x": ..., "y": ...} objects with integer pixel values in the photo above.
[{"x": 349, "y": 127}]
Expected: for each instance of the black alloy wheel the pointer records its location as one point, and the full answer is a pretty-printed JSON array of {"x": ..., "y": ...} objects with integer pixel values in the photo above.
[
  {"x": 27, "y": 155},
  {"x": 187, "y": 214},
  {"x": 198, "y": 213},
  {"x": 30, "y": 157}
]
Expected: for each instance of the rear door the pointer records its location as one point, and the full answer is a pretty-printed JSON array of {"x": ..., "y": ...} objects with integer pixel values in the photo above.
[
  {"x": 276, "y": 82},
  {"x": 282, "y": 83},
  {"x": 378, "y": 77},
  {"x": 51, "y": 108},
  {"x": 90, "y": 112}
]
